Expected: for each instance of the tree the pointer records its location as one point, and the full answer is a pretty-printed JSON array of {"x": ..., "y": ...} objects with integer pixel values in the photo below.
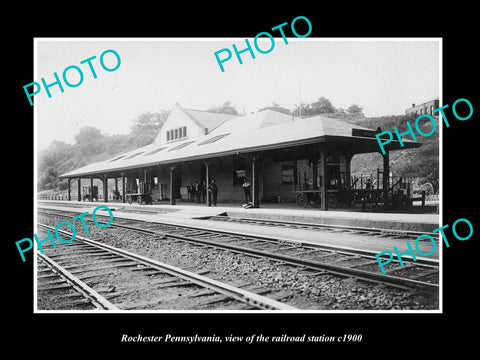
[
  {"x": 146, "y": 127},
  {"x": 322, "y": 106},
  {"x": 148, "y": 121},
  {"x": 89, "y": 141},
  {"x": 91, "y": 145},
  {"x": 48, "y": 178},
  {"x": 88, "y": 133},
  {"x": 355, "y": 109},
  {"x": 226, "y": 108},
  {"x": 302, "y": 110}
]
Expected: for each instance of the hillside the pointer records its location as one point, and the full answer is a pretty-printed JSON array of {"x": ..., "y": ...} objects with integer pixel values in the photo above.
[
  {"x": 420, "y": 163},
  {"x": 92, "y": 146}
]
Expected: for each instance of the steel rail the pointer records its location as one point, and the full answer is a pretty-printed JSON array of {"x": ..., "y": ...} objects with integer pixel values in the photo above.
[
  {"x": 332, "y": 268},
  {"x": 395, "y": 281},
  {"x": 338, "y": 249},
  {"x": 379, "y": 231},
  {"x": 97, "y": 300},
  {"x": 225, "y": 289}
]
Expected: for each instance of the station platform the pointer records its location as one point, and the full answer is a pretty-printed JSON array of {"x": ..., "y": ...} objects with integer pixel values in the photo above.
[
  {"x": 283, "y": 212},
  {"x": 196, "y": 215}
]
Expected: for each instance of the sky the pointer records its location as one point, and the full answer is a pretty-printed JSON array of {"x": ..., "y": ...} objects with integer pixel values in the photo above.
[{"x": 384, "y": 76}]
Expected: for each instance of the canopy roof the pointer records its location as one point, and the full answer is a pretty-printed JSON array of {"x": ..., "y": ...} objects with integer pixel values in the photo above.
[{"x": 264, "y": 130}]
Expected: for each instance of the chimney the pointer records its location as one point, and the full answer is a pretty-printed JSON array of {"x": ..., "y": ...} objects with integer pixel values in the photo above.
[{"x": 413, "y": 105}]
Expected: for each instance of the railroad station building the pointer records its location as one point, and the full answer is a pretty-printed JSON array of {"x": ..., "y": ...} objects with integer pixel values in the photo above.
[{"x": 279, "y": 155}]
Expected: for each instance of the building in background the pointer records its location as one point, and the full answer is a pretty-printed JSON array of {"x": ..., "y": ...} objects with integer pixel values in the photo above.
[{"x": 425, "y": 108}]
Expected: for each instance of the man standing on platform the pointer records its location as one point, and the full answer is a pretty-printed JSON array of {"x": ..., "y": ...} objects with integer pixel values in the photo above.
[
  {"x": 196, "y": 191},
  {"x": 212, "y": 192},
  {"x": 246, "y": 189}
]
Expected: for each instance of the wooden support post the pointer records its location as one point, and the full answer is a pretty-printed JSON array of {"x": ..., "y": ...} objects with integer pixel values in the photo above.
[
  {"x": 315, "y": 175},
  {"x": 79, "y": 190},
  {"x": 69, "y": 197},
  {"x": 105, "y": 188},
  {"x": 123, "y": 188},
  {"x": 160, "y": 185},
  {"x": 207, "y": 181},
  {"x": 323, "y": 180},
  {"x": 146, "y": 185},
  {"x": 173, "y": 201},
  {"x": 91, "y": 188},
  {"x": 296, "y": 177},
  {"x": 255, "y": 183},
  {"x": 386, "y": 177},
  {"x": 409, "y": 197},
  {"x": 348, "y": 177},
  {"x": 378, "y": 177}
]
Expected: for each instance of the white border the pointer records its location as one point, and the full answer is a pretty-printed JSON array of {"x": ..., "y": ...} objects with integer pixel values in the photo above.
[{"x": 308, "y": 39}]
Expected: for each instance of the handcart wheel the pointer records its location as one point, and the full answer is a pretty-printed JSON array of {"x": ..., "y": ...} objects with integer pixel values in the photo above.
[{"x": 302, "y": 200}]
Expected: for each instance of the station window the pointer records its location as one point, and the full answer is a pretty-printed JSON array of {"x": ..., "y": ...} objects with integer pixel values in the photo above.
[
  {"x": 213, "y": 139},
  {"x": 156, "y": 150},
  {"x": 117, "y": 158},
  {"x": 178, "y": 147},
  {"x": 288, "y": 175},
  {"x": 175, "y": 134},
  {"x": 133, "y": 155}
]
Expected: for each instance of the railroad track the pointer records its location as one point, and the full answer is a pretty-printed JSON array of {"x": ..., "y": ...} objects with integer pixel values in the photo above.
[
  {"x": 65, "y": 290},
  {"x": 422, "y": 276},
  {"x": 88, "y": 274},
  {"x": 357, "y": 230}
]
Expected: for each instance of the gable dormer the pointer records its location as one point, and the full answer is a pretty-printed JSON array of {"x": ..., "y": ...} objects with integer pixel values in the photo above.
[
  {"x": 184, "y": 124},
  {"x": 178, "y": 126}
]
